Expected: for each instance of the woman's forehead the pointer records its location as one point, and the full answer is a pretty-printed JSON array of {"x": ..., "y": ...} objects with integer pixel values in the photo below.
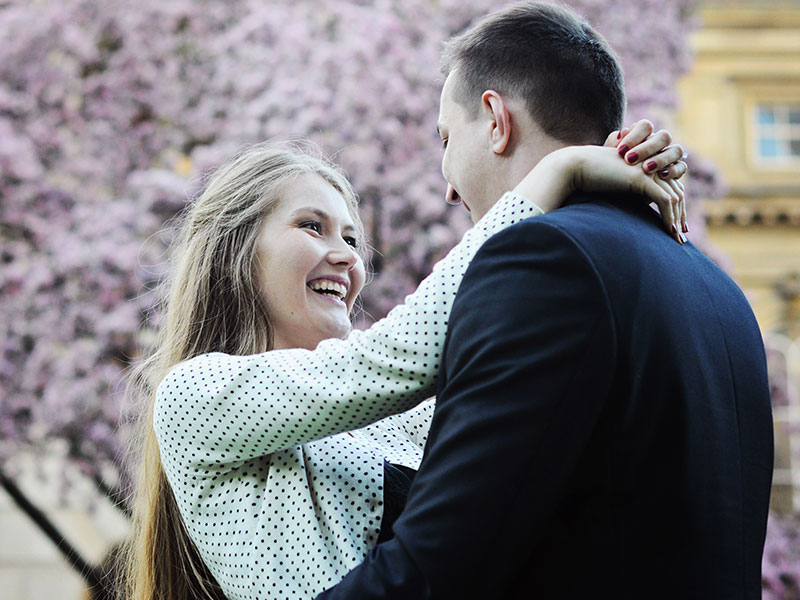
[{"x": 310, "y": 192}]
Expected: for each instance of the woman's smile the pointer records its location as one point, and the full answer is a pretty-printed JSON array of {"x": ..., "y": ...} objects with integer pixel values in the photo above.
[{"x": 330, "y": 288}]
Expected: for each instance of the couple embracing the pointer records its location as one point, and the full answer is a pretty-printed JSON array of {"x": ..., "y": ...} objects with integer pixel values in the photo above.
[{"x": 602, "y": 421}]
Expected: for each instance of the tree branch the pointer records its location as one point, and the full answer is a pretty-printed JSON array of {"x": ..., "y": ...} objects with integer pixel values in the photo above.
[{"x": 73, "y": 557}]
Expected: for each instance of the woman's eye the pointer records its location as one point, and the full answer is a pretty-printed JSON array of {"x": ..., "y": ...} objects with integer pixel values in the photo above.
[
  {"x": 312, "y": 225},
  {"x": 351, "y": 241}
]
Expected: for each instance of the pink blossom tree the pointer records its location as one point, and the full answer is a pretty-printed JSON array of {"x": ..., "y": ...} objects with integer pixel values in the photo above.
[{"x": 781, "y": 565}]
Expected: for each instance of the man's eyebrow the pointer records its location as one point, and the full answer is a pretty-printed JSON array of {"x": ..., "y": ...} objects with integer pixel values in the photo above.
[{"x": 321, "y": 214}]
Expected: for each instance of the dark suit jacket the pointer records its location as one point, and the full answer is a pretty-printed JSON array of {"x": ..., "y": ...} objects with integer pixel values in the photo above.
[{"x": 603, "y": 425}]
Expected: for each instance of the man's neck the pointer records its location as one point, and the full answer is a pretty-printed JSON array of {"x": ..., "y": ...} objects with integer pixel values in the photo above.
[{"x": 525, "y": 155}]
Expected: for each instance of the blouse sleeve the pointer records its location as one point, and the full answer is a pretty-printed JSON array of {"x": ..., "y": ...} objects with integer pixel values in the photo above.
[
  {"x": 416, "y": 422},
  {"x": 217, "y": 409}
]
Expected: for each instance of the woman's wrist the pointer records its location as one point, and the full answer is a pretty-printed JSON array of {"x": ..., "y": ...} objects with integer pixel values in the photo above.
[{"x": 552, "y": 179}]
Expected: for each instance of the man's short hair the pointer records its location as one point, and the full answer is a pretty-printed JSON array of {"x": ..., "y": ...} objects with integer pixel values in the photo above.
[{"x": 551, "y": 58}]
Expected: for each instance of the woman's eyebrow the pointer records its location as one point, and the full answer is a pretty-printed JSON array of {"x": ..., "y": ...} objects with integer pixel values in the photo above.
[{"x": 306, "y": 209}]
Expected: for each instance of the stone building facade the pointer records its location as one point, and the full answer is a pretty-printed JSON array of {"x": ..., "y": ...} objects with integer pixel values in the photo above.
[{"x": 741, "y": 108}]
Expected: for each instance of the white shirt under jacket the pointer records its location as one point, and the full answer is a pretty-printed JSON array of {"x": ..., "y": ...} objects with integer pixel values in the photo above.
[{"x": 279, "y": 500}]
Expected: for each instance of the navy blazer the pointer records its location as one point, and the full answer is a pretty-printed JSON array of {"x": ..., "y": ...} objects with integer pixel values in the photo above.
[{"x": 603, "y": 425}]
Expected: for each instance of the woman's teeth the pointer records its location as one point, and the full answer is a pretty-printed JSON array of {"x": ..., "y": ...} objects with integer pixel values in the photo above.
[{"x": 328, "y": 287}]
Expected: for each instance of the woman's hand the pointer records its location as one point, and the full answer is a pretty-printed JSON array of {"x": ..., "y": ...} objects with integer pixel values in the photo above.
[
  {"x": 656, "y": 153},
  {"x": 600, "y": 169},
  {"x": 638, "y": 143}
]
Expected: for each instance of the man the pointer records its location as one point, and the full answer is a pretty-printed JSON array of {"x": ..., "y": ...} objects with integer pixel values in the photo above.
[{"x": 603, "y": 423}]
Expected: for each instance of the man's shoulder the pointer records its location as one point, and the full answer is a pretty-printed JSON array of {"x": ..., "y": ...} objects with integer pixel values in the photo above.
[
  {"x": 621, "y": 236},
  {"x": 585, "y": 213},
  {"x": 599, "y": 221}
]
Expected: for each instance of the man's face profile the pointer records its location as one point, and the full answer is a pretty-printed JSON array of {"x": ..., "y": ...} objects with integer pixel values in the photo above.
[{"x": 466, "y": 153}]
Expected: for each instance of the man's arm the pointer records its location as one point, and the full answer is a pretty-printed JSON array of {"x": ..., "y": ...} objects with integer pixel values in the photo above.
[{"x": 528, "y": 364}]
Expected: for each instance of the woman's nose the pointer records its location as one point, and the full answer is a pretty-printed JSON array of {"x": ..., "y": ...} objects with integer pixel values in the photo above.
[{"x": 344, "y": 254}]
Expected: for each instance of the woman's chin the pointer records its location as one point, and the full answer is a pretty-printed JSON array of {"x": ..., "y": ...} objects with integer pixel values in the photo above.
[
  {"x": 342, "y": 330},
  {"x": 334, "y": 331}
]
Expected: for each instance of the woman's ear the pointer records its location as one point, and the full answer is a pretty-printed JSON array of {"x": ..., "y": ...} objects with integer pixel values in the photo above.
[{"x": 497, "y": 111}]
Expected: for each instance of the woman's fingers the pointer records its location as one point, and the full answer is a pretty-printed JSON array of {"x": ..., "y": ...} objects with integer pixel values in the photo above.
[
  {"x": 675, "y": 170},
  {"x": 670, "y": 199},
  {"x": 665, "y": 207},
  {"x": 678, "y": 187},
  {"x": 677, "y": 210},
  {"x": 612, "y": 139},
  {"x": 655, "y": 152},
  {"x": 638, "y": 133},
  {"x": 654, "y": 157}
]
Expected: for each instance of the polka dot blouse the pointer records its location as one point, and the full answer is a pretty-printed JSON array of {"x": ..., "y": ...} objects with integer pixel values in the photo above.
[{"x": 279, "y": 499}]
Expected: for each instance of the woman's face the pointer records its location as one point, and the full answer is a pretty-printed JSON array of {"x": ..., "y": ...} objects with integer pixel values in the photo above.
[{"x": 310, "y": 270}]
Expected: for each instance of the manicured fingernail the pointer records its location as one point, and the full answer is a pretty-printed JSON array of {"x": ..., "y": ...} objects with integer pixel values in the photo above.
[
  {"x": 623, "y": 150},
  {"x": 685, "y": 228},
  {"x": 664, "y": 173},
  {"x": 651, "y": 166},
  {"x": 632, "y": 157},
  {"x": 683, "y": 239},
  {"x": 619, "y": 134},
  {"x": 674, "y": 231}
]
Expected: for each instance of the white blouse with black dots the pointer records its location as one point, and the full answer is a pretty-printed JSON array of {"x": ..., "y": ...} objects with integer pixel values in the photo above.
[{"x": 279, "y": 500}]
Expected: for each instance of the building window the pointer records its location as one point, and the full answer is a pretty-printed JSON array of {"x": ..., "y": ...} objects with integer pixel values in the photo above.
[{"x": 778, "y": 133}]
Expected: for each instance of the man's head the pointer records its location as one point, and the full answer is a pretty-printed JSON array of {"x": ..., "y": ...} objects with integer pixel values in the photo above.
[{"x": 522, "y": 82}]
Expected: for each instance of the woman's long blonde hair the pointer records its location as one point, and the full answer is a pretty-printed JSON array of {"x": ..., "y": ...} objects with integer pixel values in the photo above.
[{"x": 214, "y": 303}]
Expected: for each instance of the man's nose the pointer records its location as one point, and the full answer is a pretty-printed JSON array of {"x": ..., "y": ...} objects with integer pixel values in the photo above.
[{"x": 452, "y": 197}]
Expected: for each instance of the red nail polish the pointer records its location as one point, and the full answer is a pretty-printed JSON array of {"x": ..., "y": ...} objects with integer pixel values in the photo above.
[
  {"x": 632, "y": 157},
  {"x": 664, "y": 173},
  {"x": 623, "y": 150},
  {"x": 651, "y": 166},
  {"x": 685, "y": 228},
  {"x": 619, "y": 134}
]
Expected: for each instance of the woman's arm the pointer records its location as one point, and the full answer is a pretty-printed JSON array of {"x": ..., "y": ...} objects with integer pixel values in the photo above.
[
  {"x": 416, "y": 423},
  {"x": 218, "y": 408}
]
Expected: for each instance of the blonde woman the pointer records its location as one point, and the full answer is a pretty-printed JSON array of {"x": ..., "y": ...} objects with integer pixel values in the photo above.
[{"x": 278, "y": 445}]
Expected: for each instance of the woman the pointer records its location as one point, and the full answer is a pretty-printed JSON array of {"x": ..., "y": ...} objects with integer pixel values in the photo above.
[{"x": 273, "y": 473}]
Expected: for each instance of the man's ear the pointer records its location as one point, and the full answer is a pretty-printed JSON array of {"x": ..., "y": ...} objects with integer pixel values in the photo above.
[{"x": 497, "y": 111}]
